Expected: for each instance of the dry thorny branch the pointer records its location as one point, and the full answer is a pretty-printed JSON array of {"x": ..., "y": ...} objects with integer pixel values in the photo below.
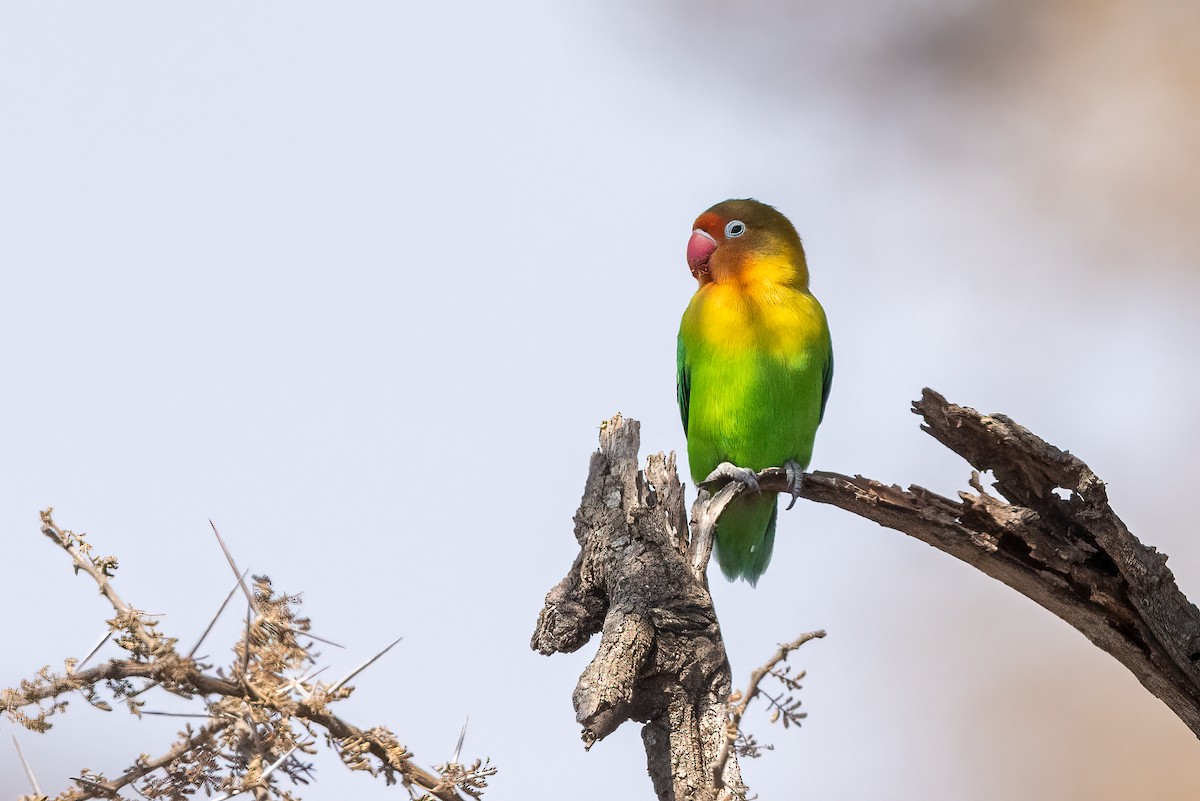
[{"x": 256, "y": 717}]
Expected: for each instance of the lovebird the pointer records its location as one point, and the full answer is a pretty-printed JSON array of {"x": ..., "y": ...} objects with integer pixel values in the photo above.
[{"x": 754, "y": 369}]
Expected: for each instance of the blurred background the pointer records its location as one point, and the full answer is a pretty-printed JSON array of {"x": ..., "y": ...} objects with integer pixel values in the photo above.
[{"x": 360, "y": 284}]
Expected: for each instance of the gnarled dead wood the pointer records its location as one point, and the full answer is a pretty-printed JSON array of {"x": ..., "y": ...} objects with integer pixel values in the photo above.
[
  {"x": 661, "y": 658},
  {"x": 1071, "y": 555},
  {"x": 640, "y": 577}
]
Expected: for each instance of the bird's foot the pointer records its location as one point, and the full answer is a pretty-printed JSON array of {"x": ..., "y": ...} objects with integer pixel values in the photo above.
[
  {"x": 795, "y": 477},
  {"x": 734, "y": 473}
]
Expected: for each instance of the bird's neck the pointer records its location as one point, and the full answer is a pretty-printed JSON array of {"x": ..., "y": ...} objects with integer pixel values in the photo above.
[{"x": 765, "y": 274}]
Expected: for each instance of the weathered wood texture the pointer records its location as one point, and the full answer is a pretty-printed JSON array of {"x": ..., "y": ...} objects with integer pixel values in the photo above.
[
  {"x": 1072, "y": 555},
  {"x": 640, "y": 577},
  {"x": 661, "y": 658}
]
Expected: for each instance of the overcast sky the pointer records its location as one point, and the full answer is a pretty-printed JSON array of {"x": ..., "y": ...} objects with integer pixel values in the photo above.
[{"x": 360, "y": 283}]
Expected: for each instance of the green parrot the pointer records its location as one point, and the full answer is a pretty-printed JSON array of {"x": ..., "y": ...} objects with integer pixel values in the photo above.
[{"x": 755, "y": 365}]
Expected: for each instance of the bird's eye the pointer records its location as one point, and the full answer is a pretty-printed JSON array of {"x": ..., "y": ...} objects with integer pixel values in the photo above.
[{"x": 735, "y": 228}]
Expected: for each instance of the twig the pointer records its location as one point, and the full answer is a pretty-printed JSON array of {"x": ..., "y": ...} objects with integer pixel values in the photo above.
[
  {"x": 705, "y": 512},
  {"x": 738, "y": 710},
  {"x": 109, "y": 789},
  {"x": 130, "y": 619},
  {"x": 199, "y": 642}
]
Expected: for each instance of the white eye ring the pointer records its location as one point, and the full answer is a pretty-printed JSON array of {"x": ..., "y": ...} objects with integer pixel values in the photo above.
[{"x": 734, "y": 228}]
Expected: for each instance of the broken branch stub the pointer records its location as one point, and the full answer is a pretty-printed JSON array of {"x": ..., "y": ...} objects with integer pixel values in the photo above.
[{"x": 661, "y": 658}]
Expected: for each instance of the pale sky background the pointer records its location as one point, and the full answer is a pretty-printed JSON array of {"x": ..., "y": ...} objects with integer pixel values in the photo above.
[{"x": 359, "y": 282}]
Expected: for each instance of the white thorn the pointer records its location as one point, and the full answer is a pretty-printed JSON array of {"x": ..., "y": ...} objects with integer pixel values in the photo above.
[
  {"x": 28, "y": 770},
  {"x": 265, "y": 773},
  {"x": 462, "y": 736},
  {"x": 233, "y": 566},
  {"x": 361, "y": 668},
  {"x": 213, "y": 622},
  {"x": 92, "y": 652}
]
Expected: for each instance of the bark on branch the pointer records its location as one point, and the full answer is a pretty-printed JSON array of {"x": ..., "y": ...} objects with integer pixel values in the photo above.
[
  {"x": 661, "y": 658},
  {"x": 640, "y": 578},
  {"x": 1071, "y": 555}
]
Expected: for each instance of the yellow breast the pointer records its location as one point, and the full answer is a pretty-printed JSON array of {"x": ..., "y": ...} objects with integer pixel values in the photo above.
[{"x": 766, "y": 317}]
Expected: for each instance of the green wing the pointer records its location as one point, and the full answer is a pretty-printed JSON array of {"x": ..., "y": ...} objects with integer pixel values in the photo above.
[
  {"x": 826, "y": 384},
  {"x": 683, "y": 384}
]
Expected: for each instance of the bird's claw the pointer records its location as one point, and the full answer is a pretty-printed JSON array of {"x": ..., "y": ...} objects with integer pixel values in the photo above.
[
  {"x": 795, "y": 477},
  {"x": 734, "y": 473}
]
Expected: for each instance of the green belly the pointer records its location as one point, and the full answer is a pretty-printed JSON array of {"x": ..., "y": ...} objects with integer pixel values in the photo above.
[{"x": 753, "y": 410}]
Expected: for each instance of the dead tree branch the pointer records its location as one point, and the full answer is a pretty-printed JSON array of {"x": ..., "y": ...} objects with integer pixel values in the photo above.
[
  {"x": 661, "y": 658},
  {"x": 1071, "y": 555},
  {"x": 640, "y": 578}
]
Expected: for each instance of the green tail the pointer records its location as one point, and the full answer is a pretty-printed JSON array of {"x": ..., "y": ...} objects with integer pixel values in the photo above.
[{"x": 746, "y": 535}]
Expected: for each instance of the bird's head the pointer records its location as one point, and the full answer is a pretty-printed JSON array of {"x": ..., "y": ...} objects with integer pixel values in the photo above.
[{"x": 744, "y": 241}]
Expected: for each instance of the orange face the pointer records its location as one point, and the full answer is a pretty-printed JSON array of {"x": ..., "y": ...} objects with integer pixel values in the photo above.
[{"x": 734, "y": 236}]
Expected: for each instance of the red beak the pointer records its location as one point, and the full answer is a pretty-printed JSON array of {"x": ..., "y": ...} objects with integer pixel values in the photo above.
[{"x": 700, "y": 248}]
